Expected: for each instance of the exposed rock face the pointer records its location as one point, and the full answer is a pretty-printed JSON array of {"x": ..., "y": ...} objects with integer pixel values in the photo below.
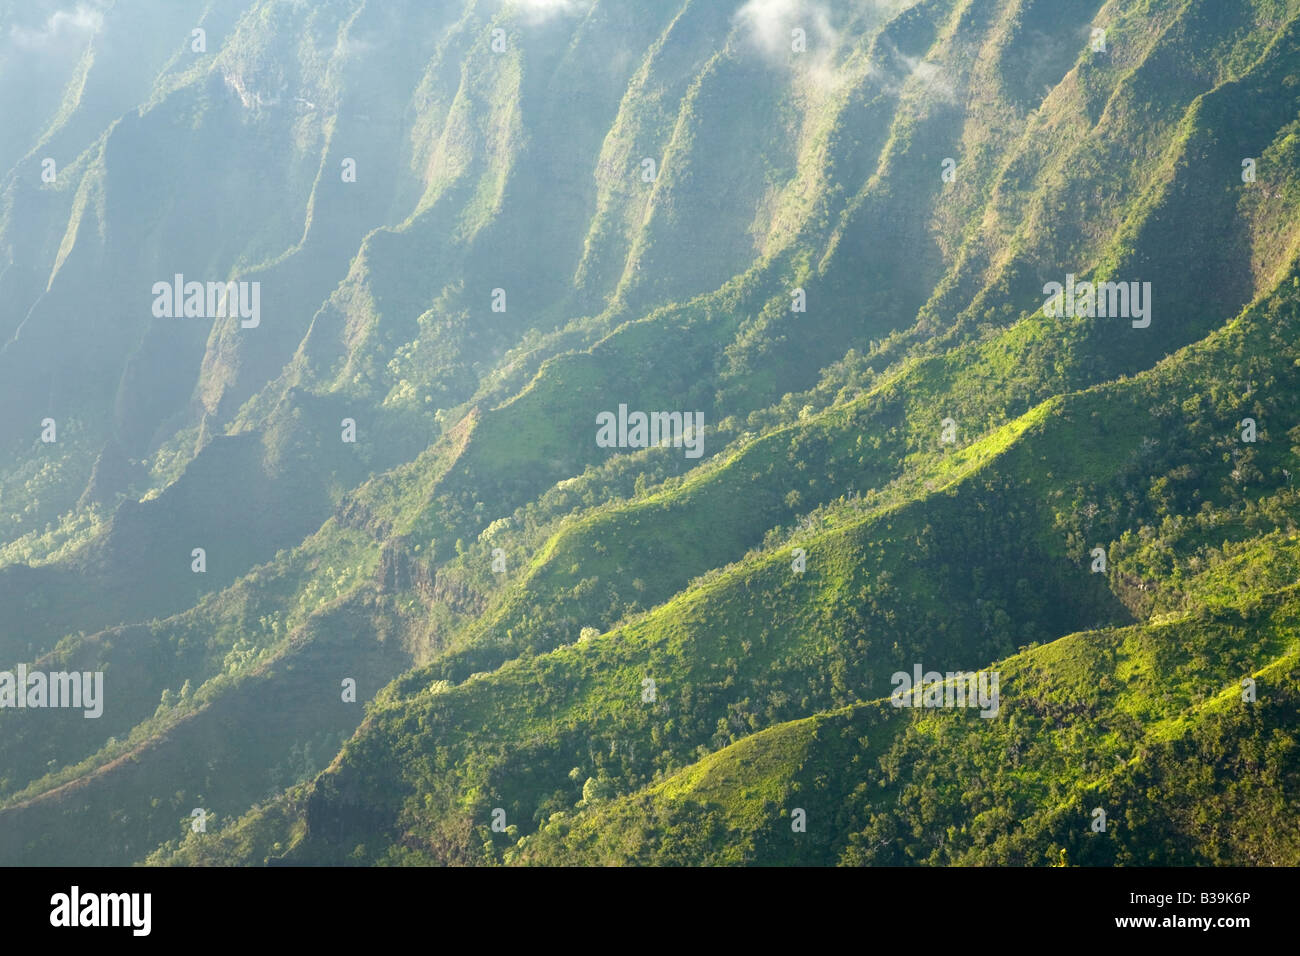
[
  {"x": 400, "y": 570},
  {"x": 112, "y": 475}
]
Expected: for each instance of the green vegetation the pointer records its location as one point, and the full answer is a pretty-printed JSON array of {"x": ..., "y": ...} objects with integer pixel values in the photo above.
[{"x": 619, "y": 650}]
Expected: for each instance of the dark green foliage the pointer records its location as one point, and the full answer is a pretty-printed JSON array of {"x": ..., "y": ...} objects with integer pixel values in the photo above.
[{"x": 521, "y": 691}]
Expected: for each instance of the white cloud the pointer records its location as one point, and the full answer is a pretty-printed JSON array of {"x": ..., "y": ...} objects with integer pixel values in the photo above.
[
  {"x": 62, "y": 26},
  {"x": 931, "y": 78},
  {"x": 769, "y": 23},
  {"x": 535, "y": 11},
  {"x": 768, "y": 26}
]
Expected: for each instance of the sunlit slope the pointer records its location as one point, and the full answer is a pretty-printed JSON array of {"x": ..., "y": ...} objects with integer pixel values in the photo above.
[
  {"x": 793, "y": 264},
  {"x": 761, "y": 644},
  {"x": 1147, "y": 724}
]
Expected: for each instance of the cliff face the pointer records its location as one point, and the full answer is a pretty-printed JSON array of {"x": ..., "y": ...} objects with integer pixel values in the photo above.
[{"x": 833, "y": 234}]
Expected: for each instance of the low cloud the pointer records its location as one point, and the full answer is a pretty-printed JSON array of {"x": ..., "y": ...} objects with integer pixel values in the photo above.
[
  {"x": 932, "y": 79},
  {"x": 535, "y": 11},
  {"x": 61, "y": 27},
  {"x": 769, "y": 24}
]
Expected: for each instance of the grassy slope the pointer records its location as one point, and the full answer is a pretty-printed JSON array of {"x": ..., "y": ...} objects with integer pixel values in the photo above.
[
  {"x": 829, "y": 638},
  {"x": 734, "y": 351}
]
